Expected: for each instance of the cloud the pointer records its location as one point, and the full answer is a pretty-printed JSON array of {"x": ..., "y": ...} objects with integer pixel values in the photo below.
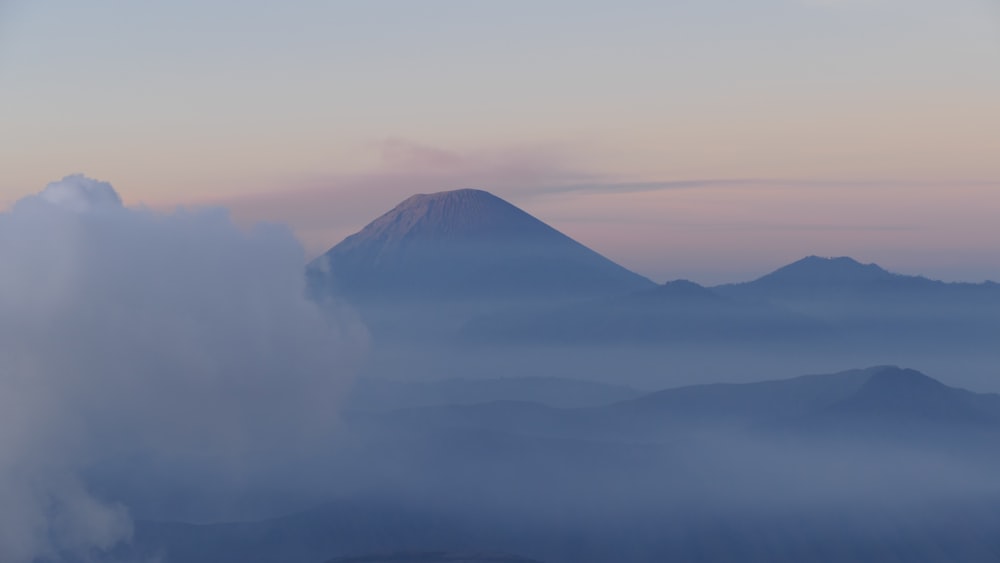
[
  {"x": 325, "y": 209},
  {"x": 79, "y": 193},
  {"x": 175, "y": 340},
  {"x": 611, "y": 186}
]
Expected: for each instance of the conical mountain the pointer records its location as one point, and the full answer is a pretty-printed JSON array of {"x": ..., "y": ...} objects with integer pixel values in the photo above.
[{"x": 466, "y": 244}]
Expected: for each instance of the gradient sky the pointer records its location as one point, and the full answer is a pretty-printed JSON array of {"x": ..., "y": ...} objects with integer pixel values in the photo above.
[{"x": 708, "y": 139}]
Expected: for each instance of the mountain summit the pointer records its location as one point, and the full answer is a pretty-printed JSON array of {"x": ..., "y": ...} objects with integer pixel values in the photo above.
[
  {"x": 464, "y": 244},
  {"x": 827, "y": 271},
  {"x": 458, "y": 213},
  {"x": 816, "y": 278}
]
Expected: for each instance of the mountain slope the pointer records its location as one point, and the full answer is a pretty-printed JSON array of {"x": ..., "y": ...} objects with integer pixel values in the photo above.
[{"x": 466, "y": 244}]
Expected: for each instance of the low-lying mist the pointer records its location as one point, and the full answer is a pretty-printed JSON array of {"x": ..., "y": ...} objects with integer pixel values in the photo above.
[{"x": 625, "y": 482}]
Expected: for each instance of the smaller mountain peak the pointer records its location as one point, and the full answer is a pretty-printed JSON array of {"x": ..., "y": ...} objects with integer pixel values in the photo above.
[
  {"x": 894, "y": 391},
  {"x": 818, "y": 269}
]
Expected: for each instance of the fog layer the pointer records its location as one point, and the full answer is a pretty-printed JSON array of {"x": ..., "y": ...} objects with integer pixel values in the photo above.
[{"x": 168, "y": 340}]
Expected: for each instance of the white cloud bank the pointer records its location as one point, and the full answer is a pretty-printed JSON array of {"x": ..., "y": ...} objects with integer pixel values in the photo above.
[{"x": 176, "y": 338}]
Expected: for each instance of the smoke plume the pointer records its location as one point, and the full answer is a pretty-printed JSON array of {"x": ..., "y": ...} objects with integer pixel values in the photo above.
[{"x": 130, "y": 338}]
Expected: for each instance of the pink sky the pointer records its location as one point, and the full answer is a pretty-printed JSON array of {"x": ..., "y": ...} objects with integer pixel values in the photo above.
[
  {"x": 710, "y": 230},
  {"x": 771, "y": 128}
]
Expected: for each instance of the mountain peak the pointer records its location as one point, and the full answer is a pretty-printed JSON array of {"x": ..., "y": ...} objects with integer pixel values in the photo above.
[
  {"x": 467, "y": 243},
  {"x": 821, "y": 270},
  {"x": 466, "y": 199},
  {"x": 461, "y": 193},
  {"x": 901, "y": 378},
  {"x": 456, "y": 213}
]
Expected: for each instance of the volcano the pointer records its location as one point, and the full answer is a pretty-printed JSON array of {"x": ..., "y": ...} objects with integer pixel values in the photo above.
[{"x": 466, "y": 244}]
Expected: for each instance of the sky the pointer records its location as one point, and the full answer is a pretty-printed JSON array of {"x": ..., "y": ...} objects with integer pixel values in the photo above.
[{"x": 712, "y": 140}]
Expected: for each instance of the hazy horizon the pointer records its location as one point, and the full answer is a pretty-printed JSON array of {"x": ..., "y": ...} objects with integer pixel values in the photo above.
[{"x": 706, "y": 269}]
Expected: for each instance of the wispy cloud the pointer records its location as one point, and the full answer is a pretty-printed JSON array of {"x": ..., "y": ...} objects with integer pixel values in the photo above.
[
  {"x": 558, "y": 185},
  {"x": 325, "y": 208},
  {"x": 611, "y": 186}
]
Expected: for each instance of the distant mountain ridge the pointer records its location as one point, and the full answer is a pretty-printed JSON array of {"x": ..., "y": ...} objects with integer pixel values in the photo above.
[
  {"x": 464, "y": 273},
  {"x": 887, "y": 391},
  {"x": 815, "y": 269},
  {"x": 815, "y": 299},
  {"x": 868, "y": 297},
  {"x": 859, "y": 404},
  {"x": 787, "y": 470},
  {"x": 819, "y": 274}
]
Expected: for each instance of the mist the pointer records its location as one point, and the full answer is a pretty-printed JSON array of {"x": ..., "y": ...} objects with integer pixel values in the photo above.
[
  {"x": 132, "y": 338},
  {"x": 774, "y": 471}
]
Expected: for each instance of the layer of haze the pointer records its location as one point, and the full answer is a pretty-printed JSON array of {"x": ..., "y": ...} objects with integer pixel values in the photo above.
[
  {"x": 863, "y": 127},
  {"x": 173, "y": 341}
]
